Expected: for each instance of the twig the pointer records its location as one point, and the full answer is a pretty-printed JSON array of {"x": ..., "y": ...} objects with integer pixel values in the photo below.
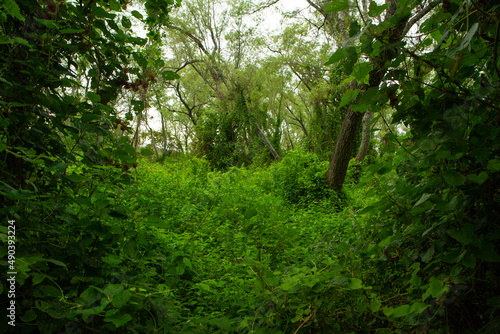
[{"x": 302, "y": 324}]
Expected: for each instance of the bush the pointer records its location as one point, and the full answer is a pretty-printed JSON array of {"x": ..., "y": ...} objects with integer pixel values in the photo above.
[{"x": 300, "y": 178}]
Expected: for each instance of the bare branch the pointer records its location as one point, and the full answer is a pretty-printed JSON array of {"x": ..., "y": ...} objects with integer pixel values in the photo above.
[{"x": 273, "y": 2}]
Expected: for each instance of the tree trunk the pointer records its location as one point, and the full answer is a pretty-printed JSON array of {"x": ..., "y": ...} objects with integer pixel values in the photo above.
[
  {"x": 266, "y": 141},
  {"x": 135, "y": 139},
  {"x": 344, "y": 146},
  {"x": 339, "y": 161},
  {"x": 365, "y": 139}
]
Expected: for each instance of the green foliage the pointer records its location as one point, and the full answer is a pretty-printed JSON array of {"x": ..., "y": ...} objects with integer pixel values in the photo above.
[
  {"x": 61, "y": 165},
  {"x": 300, "y": 178}
]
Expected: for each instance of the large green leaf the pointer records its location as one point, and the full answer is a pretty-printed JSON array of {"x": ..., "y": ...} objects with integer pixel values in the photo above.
[
  {"x": 337, "y": 6},
  {"x": 454, "y": 178},
  {"x": 12, "y": 8}
]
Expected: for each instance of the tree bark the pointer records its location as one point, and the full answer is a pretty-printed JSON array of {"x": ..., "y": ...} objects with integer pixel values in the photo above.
[
  {"x": 344, "y": 146},
  {"x": 339, "y": 161},
  {"x": 365, "y": 139},
  {"x": 267, "y": 142}
]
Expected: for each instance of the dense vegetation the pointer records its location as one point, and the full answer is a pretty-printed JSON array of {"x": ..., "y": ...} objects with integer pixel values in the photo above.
[{"x": 346, "y": 182}]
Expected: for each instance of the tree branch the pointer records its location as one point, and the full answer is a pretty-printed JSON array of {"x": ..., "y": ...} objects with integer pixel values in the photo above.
[
  {"x": 264, "y": 6},
  {"x": 419, "y": 15}
]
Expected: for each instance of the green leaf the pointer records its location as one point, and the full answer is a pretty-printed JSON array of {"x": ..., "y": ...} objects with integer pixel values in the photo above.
[
  {"x": 465, "y": 41},
  {"x": 436, "y": 289},
  {"x": 469, "y": 260},
  {"x": 111, "y": 259},
  {"x": 121, "y": 298},
  {"x": 138, "y": 105},
  {"x": 427, "y": 255},
  {"x": 464, "y": 235},
  {"x": 12, "y": 8},
  {"x": 487, "y": 252},
  {"x": 375, "y": 10},
  {"x": 479, "y": 179},
  {"x": 493, "y": 165},
  {"x": 137, "y": 15},
  {"x": 38, "y": 278},
  {"x": 337, "y": 56},
  {"x": 375, "y": 305},
  {"x": 29, "y": 316},
  {"x": 422, "y": 199},
  {"x": 401, "y": 311},
  {"x": 361, "y": 71},
  {"x": 126, "y": 23},
  {"x": 101, "y": 12},
  {"x": 21, "y": 41},
  {"x": 386, "y": 168},
  {"x": 419, "y": 307},
  {"x": 249, "y": 213},
  {"x": 336, "y": 6},
  {"x": 119, "y": 321},
  {"x": 93, "y": 97},
  {"x": 454, "y": 178},
  {"x": 348, "y": 96},
  {"x": 56, "y": 262},
  {"x": 170, "y": 75},
  {"x": 354, "y": 284}
]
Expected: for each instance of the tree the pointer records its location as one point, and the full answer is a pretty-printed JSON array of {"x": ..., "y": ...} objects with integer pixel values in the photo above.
[
  {"x": 389, "y": 35},
  {"x": 62, "y": 157},
  {"x": 201, "y": 31}
]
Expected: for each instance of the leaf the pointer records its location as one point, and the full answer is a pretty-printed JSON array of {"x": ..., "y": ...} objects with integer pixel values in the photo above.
[
  {"x": 38, "y": 278},
  {"x": 375, "y": 305},
  {"x": 71, "y": 31},
  {"x": 121, "y": 298},
  {"x": 336, "y": 6},
  {"x": 12, "y": 8},
  {"x": 493, "y": 165},
  {"x": 469, "y": 260},
  {"x": 375, "y": 10},
  {"x": 454, "y": 178},
  {"x": 465, "y": 41},
  {"x": 436, "y": 289},
  {"x": 29, "y": 316},
  {"x": 386, "y": 168},
  {"x": 170, "y": 75},
  {"x": 111, "y": 259},
  {"x": 427, "y": 255},
  {"x": 422, "y": 199},
  {"x": 249, "y": 213},
  {"x": 126, "y": 23},
  {"x": 136, "y": 14},
  {"x": 361, "y": 71},
  {"x": 479, "y": 179},
  {"x": 419, "y": 307},
  {"x": 487, "y": 252},
  {"x": 101, "y": 12},
  {"x": 21, "y": 41},
  {"x": 354, "y": 284},
  {"x": 138, "y": 105},
  {"x": 118, "y": 322},
  {"x": 464, "y": 235},
  {"x": 337, "y": 56},
  {"x": 56, "y": 262},
  {"x": 401, "y": 311},
  {"x": 348, "y": 96},
  {"x": 93, "y": 97}
]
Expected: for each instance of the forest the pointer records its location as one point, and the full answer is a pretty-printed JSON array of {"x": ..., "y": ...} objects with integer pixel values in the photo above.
[{"x": 238, "y": 166}]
